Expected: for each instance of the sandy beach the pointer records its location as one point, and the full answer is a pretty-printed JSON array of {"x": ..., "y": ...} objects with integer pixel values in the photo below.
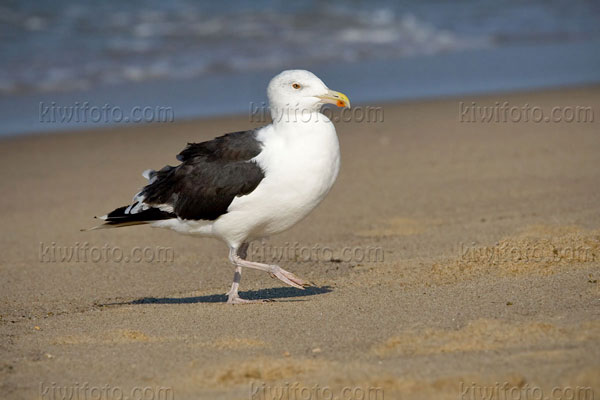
[{"x": 452, "y": 259}]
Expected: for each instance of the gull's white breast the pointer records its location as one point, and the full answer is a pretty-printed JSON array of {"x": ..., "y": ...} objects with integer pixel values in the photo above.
[{"x": 301, "y": 161}]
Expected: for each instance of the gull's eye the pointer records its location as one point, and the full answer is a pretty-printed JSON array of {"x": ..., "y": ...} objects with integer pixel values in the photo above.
[{"x": 296, "y": 85}]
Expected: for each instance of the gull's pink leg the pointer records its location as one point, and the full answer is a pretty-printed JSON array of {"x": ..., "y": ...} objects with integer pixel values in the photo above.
[
  {"x": 274, "y": 270},
  {"x": 232, "y": 296}
]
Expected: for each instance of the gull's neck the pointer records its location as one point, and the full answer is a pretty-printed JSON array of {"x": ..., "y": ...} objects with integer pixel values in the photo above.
[{"x": 296, "y": 116}]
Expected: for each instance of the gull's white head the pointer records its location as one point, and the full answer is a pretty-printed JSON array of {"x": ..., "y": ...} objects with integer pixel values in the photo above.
[{"x": 301, "y": 90}]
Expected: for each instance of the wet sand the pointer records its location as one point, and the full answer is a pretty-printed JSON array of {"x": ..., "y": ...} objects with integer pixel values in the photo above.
[{"x": 459, "y": 258}]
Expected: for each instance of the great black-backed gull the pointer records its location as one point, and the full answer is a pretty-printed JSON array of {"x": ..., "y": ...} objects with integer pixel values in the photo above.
[{"x": 248, "y": 185}]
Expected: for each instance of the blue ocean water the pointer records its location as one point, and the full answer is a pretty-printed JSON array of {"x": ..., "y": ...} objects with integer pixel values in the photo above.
[{"x": 192, "y": 55}]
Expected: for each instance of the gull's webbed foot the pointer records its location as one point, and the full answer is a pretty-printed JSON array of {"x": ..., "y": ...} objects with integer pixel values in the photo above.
[
  {"x": 288, "y": 278},
  {"x": 239, "y": 300}
]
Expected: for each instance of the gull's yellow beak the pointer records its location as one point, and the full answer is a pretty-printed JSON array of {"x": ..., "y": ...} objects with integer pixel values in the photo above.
[{"x": 337, "y": 98}]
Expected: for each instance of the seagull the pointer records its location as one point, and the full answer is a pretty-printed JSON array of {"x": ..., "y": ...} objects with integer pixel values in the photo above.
[{"x": 248, "y": 185}]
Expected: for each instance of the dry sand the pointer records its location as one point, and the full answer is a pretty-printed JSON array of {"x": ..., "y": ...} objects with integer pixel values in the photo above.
[{"x": 490, "y": 234}]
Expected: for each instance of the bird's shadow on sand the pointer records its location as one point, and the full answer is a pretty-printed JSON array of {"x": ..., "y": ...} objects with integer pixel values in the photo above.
[{"x": 262, "y": 294}]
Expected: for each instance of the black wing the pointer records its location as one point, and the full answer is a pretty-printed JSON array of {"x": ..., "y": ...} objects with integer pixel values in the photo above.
[
  {"x": 202, "y": 187},
  {"x": 210, "y": 176}
]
